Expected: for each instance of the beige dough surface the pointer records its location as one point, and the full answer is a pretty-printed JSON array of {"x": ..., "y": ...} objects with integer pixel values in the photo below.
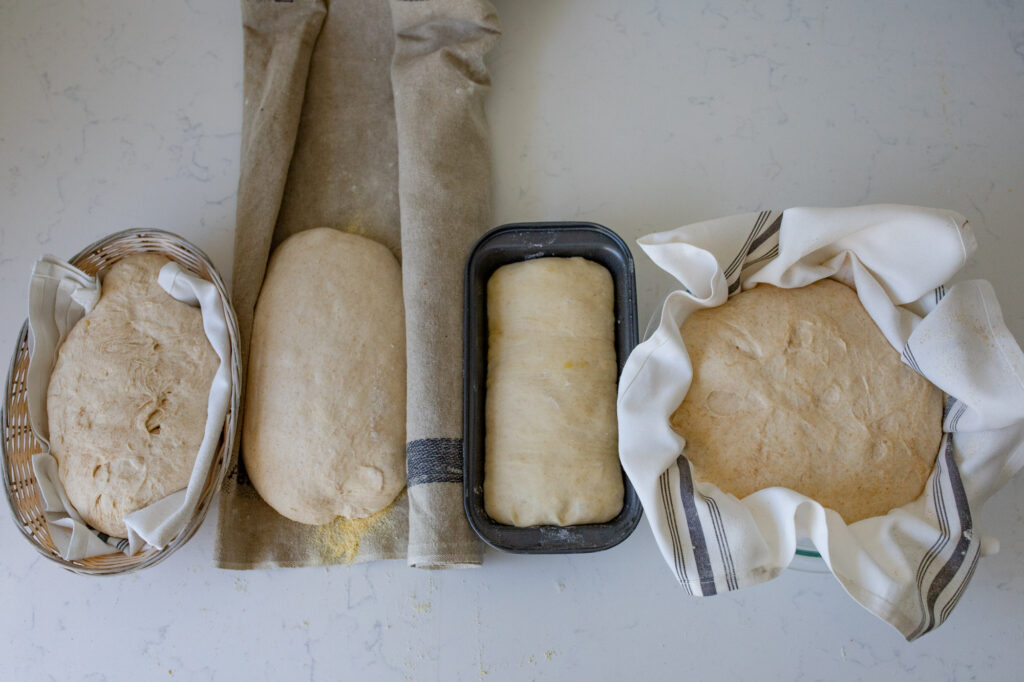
[
  {"x": 551, "y": 430},
  {"x": 799, "y": 388},
  {"x": 128, "y": 395},
  {"x": 323, "y": 433}
]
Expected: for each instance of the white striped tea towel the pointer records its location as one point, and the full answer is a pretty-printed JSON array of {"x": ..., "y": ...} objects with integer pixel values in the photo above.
[
  {"x": 59, "y": 296},
  {"x": 911, "y": 566}
]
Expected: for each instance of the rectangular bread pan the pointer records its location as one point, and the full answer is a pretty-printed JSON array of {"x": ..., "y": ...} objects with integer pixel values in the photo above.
[{"x": 510, "y": 244}]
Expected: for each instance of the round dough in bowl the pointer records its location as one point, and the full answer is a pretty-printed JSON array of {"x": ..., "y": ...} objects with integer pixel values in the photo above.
[{"x": 799, "y": 388}]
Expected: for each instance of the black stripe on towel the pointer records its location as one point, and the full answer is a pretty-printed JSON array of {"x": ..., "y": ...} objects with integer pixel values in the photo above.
[
  {"x": 679, "y": 562},
  {"x": 434, "y": 460},
  {"x": 955, "y": 420},
  {"x": 755, "y": 240},
  {"x": 908, "y": 355},
  {"x": 955, "y": 599},
  {"x": 723, "y": 544},
  {"x": 762, "y": 218},
  {"x": 947, "y": 405},
  {"x": 766, "y": 235},
  {"x": 957, "y": 411},
  {"x": 697, "y": 541},
  {"x": 940, "y": 543},
  {"x": 768, "y": 255},
  {"x": 119, "y": 543},
  {"x": 948, "y": 572}
]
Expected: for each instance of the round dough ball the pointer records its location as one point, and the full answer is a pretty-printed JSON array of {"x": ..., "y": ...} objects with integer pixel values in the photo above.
[
  {"x": 324, "y": 428},
  {"x": 128, "y": 395},
  {"x": 799, "y": 388}
]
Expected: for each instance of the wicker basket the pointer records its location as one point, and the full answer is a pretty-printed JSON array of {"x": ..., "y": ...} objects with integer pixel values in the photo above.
[{"x": 19, "y": 443}]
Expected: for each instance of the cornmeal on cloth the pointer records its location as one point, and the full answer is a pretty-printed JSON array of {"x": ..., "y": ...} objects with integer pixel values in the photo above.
[{"x": 551, "y": 448}]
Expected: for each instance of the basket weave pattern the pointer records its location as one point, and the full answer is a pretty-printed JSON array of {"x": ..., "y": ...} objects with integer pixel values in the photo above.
[{"x": 19, "y": 443}]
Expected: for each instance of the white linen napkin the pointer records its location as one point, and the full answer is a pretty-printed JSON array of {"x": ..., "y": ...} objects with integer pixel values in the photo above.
[
  {"x": 911, "y": 566},
  {"x": 59, "y": 296}
]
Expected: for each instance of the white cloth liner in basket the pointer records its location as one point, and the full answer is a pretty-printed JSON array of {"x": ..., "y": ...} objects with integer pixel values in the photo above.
[
  {"x": 59, "y": 296},
  {"x": 911, "y": 566}
]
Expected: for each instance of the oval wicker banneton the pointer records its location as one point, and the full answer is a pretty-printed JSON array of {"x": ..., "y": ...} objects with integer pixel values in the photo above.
[{"x": 19, "y": 443}]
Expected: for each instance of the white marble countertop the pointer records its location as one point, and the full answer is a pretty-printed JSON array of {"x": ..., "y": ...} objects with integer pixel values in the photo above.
[{"x": 638, "y": 115}]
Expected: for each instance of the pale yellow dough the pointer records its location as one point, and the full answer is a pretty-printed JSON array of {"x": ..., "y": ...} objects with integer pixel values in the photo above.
[
  {"x": 799, "y": 388},
  {"x": 324, "y": 428},
  {"x": 551, "y": 441},
  {"x": 127, "y": 397}
]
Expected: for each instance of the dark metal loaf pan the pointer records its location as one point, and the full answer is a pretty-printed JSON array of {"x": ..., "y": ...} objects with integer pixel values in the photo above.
[{"x": 509, "y": 244}]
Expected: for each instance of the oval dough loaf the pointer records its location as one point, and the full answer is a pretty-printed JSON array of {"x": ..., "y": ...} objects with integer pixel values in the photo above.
[
  {"x": 551, "y": 450},
  {"x": 799, "y": 388},
  {"x": 324, "y": 428},
  {"x": 127, "y": 397}
]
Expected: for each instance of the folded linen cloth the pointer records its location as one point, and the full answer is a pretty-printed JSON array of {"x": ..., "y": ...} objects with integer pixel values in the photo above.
[
  {"x": 910, "y": 567},
  {"x": 439, "y": 79},
  {"x": 59, "y": 296},
  {"x": 327, "y": 141}
]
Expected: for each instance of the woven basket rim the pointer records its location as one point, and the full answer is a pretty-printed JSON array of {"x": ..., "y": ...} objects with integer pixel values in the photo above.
[
  {"x": 4, "y": 410},
  {"x": 229, "y": 432}
]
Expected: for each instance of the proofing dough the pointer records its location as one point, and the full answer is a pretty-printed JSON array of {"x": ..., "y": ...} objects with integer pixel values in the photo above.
[
  {"x": 128, "y": 395},
  {"x": 324, "y": 428},
  {"x": 551, "y": 441},
  {"x": 799, "y": 388}
]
